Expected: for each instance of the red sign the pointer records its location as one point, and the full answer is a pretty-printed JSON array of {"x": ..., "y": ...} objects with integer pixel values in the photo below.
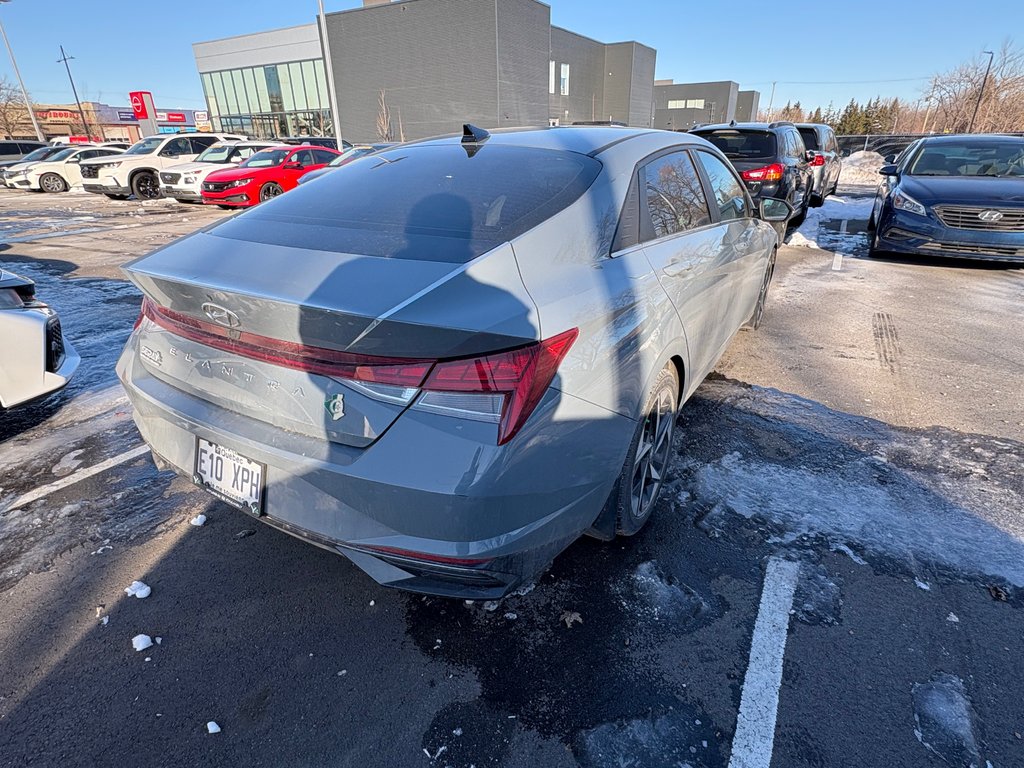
[
  {"x": 79, "y": 139},
  {"x": 176, "y": 117},
  {"x": 139, "y": 105},
  {"x": 57, "y": 114}
]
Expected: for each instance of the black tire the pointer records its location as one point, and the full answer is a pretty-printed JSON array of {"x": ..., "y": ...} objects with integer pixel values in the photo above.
[
  {"x": 649, "y": 455},
  {"x": 270, "y": 190},
  {"x": 762, "y": 297},
  {"x": 116, "y": 197},
  {"x": 873, "y": 250},
  {"x": 52, "y": 182},
  {"x": 145, "y": 186},
  {"x": 872, "y": 224}
]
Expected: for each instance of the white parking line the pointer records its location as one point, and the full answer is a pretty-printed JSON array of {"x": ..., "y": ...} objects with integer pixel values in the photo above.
[
  {"x": 759, "y": 704},
  {"x": 843, "y": 225},
  {"x": 837, "y": 262},
  {"x": 78, "y": 476}
]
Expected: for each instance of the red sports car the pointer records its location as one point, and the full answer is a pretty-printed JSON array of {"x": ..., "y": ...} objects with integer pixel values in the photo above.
[{"x": 265, "y": 174}]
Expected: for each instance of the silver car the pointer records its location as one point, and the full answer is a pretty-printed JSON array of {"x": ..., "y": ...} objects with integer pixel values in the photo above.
[
  {"x": 452, "y": 360},
  {"x": 826, "y": 165}
]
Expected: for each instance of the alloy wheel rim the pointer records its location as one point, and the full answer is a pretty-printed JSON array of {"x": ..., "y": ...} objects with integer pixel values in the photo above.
[
  {"x": 652, "y": 455},
  {"x": 147, "y": 188},
  {"x": 271, "y": 190},
  {"x": 50, "y": 184}
]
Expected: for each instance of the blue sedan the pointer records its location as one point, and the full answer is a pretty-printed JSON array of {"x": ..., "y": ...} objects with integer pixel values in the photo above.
[{"x": 957, "y": 196}]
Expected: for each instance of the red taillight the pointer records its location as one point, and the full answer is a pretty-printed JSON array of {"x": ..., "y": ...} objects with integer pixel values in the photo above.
[
  {"x": 771, "y": 172},
  {"x": 818, "y": 161},
  {"x": 521, "y": 375},
  {"x": 426, "y": 557},
  {"x": 401, "y": 372}
]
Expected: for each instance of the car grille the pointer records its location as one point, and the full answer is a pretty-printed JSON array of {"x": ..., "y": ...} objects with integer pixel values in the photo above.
[
  {"x": 968, "y": 218},
  {"x": 981, "y": 250},
  {"x": 215, "y": 186},
  {"x": 54, "y": 344},
  {"x": 170, "y": 178},
  {"x": 90, "y": 171}
]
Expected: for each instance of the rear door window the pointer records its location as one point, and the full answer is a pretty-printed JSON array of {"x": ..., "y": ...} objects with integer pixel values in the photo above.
[
  {"x": 810, "y": 137},
  {"x": 9, "y": 148},
  {"x": 202, "y": 143},
  {"x": 674, "y": 197},
  {"x": 726, "y": 188},
  {"x": 431, "y": 202},
  {"x": 323, "y": 156}
]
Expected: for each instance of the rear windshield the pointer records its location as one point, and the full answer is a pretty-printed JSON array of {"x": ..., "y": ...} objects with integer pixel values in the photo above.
[
  {"x": 434, "y": 202},
  {"x": 810, "y": 137},
  {"x": 740, "y": 145}
]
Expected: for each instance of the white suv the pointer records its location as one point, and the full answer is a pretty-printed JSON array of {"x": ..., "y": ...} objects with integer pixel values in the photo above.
[
  {"x": 184, "y": 182},
  {"x": 136, "y": 171}
]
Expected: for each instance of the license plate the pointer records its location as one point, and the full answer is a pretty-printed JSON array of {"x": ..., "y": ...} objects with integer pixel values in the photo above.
[{"x": 230, "y": 476}]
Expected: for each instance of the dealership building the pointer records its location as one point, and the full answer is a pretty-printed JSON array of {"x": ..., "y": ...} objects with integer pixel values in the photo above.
[
  {"x": 103, "y": 122},
  {"x": 410, "y": 69},
  {"x": 681, "y": 106}
]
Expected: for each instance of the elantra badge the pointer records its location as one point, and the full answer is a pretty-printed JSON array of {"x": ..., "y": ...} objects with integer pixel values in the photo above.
[
  {"x": 990, "y": 216},
  {"x": 221, "y": 315},
  {"x": 335, "y": 405}
]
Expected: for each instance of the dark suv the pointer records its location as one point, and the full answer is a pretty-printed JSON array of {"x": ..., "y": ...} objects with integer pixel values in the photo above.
[{"x": 771, "y": 158}]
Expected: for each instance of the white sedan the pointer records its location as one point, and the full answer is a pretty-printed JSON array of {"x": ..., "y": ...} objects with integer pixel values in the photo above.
[
  {"x": 59, "y": 172},
  {"x": 37, "y": 359}
]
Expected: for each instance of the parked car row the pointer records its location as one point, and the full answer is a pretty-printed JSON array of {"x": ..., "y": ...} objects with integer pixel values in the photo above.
[{"x": 798, "y": 163}]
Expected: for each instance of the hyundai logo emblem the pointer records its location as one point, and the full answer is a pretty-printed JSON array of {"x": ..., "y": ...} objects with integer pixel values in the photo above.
[
  {"x": 221, "y": 316},
  {"x": 990, "y": 216}
]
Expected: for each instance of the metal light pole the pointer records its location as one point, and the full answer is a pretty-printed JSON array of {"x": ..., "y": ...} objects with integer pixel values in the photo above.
[
  {"x": 984, "y": 80},
  {"x": 17, "y": 72},
  {"x": 771, "y": 101},
  {"x": 332, "y": 96},
  {"x": 65, "y": 58}
]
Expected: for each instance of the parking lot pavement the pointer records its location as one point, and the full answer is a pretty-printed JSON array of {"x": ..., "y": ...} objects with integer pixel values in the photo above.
[{"x": 839, "y": 550}]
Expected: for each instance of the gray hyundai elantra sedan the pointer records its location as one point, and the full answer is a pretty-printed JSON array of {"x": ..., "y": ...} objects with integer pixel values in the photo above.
[{"x": 450, "y": 359}]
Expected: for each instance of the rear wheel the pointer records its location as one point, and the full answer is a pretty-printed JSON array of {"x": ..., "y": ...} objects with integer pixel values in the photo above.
[
  {"x": 145, "y": 186},
  {"x": 270, "y": 190},
  {"x": 51, "y": 182},
  {"x": 650, "y": 453}
]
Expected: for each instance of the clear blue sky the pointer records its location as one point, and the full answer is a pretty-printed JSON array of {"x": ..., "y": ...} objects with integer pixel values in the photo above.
[{"x": 146, "y": 45}]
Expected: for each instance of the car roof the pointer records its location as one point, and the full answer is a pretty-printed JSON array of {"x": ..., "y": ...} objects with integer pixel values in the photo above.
[
  {"x": 584, "y": 139},
  {"x": 958, "y": 138},
  {"x": 749, "y": 126}
]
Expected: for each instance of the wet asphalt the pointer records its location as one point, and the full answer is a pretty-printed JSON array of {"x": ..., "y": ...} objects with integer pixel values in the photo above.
[{"x": 629, "y": 653}]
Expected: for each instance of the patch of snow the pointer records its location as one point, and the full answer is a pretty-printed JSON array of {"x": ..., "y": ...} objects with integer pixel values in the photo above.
[
  {"x": 138, "y": 589},
  {"x": 861, "y": 168},
  {"x": 104, "y": 620},
  {"x": 836, "y": 208},
  {"x": 953, "y": 618},
  {"x": 141, "y": 642},
  {"x": 68, "y": 463},
  {"x": 511, "y": 615},
  {"x": 945, "y": 720},
  {"x": 923, "y": 585},
  {"x": 212, "y": 727},
  {"x": 818, "y": 597},
  {"x": 198, "y": 520},
  {"x": 662, "y": 597}
]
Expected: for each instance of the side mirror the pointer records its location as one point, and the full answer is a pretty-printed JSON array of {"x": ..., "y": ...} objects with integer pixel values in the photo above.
[
  {"x": 889, "y": 170},
  {"x": 293, "y": 166},
  {"x": 773, "y": 210},
  {"x": 890, "y": 158}
]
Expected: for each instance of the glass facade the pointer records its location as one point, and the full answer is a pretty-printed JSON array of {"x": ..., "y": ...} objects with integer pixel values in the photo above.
[{"x": 268, "y": 101}]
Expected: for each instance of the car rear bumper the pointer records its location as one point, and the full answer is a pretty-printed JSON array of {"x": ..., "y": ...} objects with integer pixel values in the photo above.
[
  {"x": 434, "y": 505},
  {"x": 907, "y": 233}
]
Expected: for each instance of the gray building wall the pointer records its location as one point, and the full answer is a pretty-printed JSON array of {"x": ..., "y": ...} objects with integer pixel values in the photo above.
[
  {"x": 440, "y": 63},
  {"x": 641, "y": 92},
  {"x": 273, "y": 47},
  {"x": 585, "y": 58},
  {"x": 720, "y": 99},
  {"x": 747, "y": 106}
]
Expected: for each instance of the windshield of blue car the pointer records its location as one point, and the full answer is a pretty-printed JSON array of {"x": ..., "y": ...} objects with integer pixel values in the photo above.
[
  {"x": 742, "y": 145},
  {"x": 992, "y": 158},
  {"x": 146, "y": 146},
  {"x": 266, "y": 158}
]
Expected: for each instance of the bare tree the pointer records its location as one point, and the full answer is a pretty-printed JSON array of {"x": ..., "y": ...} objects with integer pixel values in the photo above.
[
  {"x": 955, "y": 93},
  {"x": 384, "y": 130},
  {"x": 14, "y": 117}
]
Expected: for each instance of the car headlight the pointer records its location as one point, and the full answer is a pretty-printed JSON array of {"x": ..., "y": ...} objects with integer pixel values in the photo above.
[
  {"x": 239, "y": 182},
  {"x": 188, "y": 179},
  {"x": 111, "y": 165},
  {"x": 904, "y": 202}
]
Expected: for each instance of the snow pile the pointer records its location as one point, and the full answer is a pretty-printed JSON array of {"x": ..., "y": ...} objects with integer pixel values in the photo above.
[
  {"x": 198, "y": 520},
  {"x": 812, "y": 235},
  {"x": 142, "y": 642},
  {"x": 945, "y": 720},
  {"x": 861, "y": 168},
  {"x": 138, "y": 589}
]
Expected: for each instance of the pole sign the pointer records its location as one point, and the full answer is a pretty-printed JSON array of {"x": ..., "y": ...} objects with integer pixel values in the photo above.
[{"x": 144, "y": 110}]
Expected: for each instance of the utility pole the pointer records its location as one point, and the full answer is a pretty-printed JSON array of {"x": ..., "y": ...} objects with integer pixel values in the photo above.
[
  {"x": 65, "y": 59},
  {"x": 332, "y": 96},
  {"x": 991, "y": 56},
  {"x": 17, "y": 72},
  {"x": 771, "y": 101}
]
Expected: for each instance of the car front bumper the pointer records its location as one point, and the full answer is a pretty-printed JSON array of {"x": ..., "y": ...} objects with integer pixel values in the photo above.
[
  {"x": 106, "y": 185},
  {"x": 433, "y": 505},
  {"x": 190, "y": 193},
  {"x": 908, "y": 233}
]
